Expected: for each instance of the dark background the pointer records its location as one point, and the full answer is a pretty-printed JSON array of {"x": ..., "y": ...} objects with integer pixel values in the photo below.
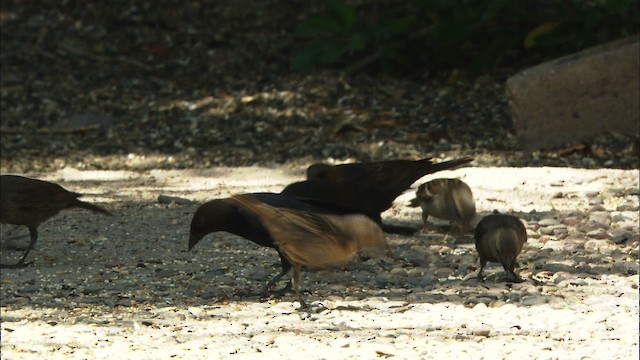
[{"x": 191, "y": 84}]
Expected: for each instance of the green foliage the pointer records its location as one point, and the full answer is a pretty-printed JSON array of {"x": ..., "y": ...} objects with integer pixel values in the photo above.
[{"x": 472, "y": 35}]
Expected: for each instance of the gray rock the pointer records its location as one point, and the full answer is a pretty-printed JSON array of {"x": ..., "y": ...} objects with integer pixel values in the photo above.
[
  {"x": 596, "y": 201},
  {"x": 560, "y": 266},
  {"x": 597, "y": 234},
  {"x": 548, "y": 222},
  {"x": 577, "y": 97},
  {"x": 535, "y": 300},
  {"x": 480, "y": 330}
]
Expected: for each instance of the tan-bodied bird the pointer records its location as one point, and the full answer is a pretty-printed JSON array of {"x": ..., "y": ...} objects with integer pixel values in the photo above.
[
  {"x": 448, "y": 199},
  {"x": 30, "y": 202},
  {"x": 311, "y": 239},
  {"x": 500, "y": 238},
  {"x": 227, "y": 215}
]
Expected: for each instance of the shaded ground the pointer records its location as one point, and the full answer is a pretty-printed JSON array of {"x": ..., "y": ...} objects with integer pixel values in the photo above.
[
  {"x": 174, "y": 84},
  {"x": 128, "y": 284}
]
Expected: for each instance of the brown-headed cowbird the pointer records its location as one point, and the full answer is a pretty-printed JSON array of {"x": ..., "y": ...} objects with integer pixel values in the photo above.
[
  {"x": 449, "y": 199},
  {"x": 29, "y": 202},
  {"x": 228, "y": 216},
  {"x": 500, "y": 238},
  {"x": 393, "y": 176},
  {"x": 311, "y": 239}
]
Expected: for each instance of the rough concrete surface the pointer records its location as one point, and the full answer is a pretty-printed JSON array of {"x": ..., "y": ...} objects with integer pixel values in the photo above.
[{"x": 575, "y": 98}]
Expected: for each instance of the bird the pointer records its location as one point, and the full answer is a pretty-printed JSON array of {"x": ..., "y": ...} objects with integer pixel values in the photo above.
[
  {"x": 392, "y": 176},
  {"x": 311, "y": 239},
  {"x": 500, "y": 238},
  {"x": 369, "y": 187},
  {"x": 227, "y": 215},
  {"x": 30, "y": 202},
  {"x": 345, "y": 197},
  {"x": 449, "y": 199}
]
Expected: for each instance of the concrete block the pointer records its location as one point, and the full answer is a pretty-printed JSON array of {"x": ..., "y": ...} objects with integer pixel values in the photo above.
[{"x": 579, "y": 96}]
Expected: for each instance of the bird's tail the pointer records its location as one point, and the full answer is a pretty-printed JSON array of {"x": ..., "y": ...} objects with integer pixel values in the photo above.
[
  {"x": 89, "y": 206},
  {"x": 445, "y": 165}
]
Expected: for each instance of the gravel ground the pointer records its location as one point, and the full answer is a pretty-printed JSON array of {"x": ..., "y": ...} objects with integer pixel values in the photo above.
[{"x": 127, "y": 285}]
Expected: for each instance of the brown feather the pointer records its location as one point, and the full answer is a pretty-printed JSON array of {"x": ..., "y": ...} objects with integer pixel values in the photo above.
[{"x": 311, "y": 239}]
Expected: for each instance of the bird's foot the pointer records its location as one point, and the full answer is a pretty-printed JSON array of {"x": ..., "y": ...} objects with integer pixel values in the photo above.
[
  {"x": 269, "y": 291},
  {"x": 512, "y": 277}
]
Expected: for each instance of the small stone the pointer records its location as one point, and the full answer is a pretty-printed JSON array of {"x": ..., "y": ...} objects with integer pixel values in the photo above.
[
  {"x": 601, "y": 217},
  {"x": 548, "y": 222},
  {"x": 591, "y": 193},
  {"x": 29, "y": 289},
  {"x": 597, "y": 234},
  {"x": 535, "y": 300},
  {"x": 596, "y": 201},
  {"x": 571, "y": 221},
  {"x": 627, "y": 207},
  {"x": 619, "y": 236},
  {"x": 561, "y": 266},
  {"x": 480, "y": 330}
]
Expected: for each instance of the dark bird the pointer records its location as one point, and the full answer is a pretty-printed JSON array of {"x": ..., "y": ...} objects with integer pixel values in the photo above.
[
  {"x": 311, "y": 239},
  {"x": 29, "y": 202},
  {"x": 500, "y": 238},
  {"x": 448, "y": 199},
  {"x": 369, "y": 188},
  {"x": 344, "y": 197},
  {"x": 228, "y": 216},
  {"x": 393, "y": 177}
]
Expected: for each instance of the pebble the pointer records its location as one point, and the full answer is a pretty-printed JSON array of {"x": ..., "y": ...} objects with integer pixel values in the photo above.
[
  {"x": 566, "y": 266},
  {"x": 535, "y": 300},
  {"x": 553, "y": 229},
  {"x": 29, "y": 289},
  {"x": 627, "y": 207},
  {"x": 602, "y": 218},
  {"x": 597, "y": 234},
  {"x": 548, "y": 222},
  {"x": 480, "y": 330},
  {"x": 596, "y": 201},
  {"x": 619, "y": 236}
]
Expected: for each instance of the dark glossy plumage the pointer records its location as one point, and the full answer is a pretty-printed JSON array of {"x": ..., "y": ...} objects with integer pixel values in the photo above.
[
  {"x": 29, "y": 202},
  {"x": 393, "y": 177}
]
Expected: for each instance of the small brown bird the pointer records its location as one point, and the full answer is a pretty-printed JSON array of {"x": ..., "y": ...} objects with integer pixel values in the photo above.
[
  {"x": 29, "y": 202},
  {"x": 500, "y": 238},
  {"x": 313, "y": 240},
  {"x": 448, "y": 199}
]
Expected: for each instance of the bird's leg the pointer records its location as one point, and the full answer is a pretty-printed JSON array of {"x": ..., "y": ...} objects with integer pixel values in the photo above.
[
  {"x": 425, "y": 227},
  {"x": 33, "y": 232},
  {"x": 286, "y": 267},
  {"x": 296, "y": 284},
  {"x": 511, "y": 275},
  {"x": 480, "y": 276},
  {"x": 274, "y": 280}
]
